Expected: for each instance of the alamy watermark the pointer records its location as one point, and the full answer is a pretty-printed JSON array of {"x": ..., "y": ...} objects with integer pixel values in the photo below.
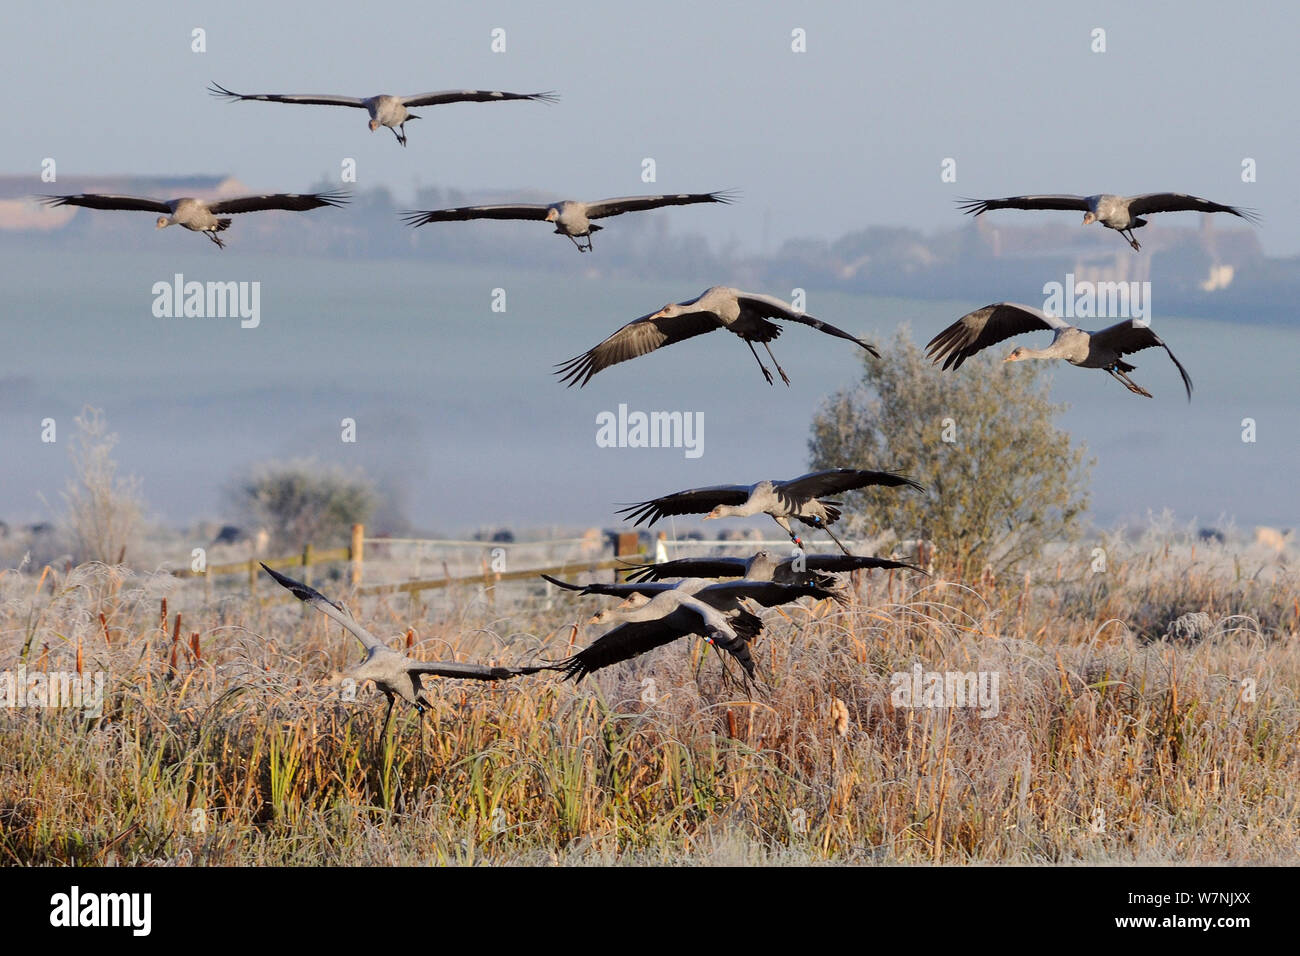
[
  {"x": 634, "y": 429},
  {"x": 127, "y": 910},
  {"x": 69, "y": 689},
  {"x": 941, "y": 690},
  {"x": 1085, "y": 299},
  {"x": 179, "y": 299}
]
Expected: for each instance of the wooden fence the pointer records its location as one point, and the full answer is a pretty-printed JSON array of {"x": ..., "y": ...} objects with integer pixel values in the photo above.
[{"x": 627, "y": 549}]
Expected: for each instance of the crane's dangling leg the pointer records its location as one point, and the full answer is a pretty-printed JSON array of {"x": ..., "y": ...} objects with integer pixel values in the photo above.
[
  {"x": 401, "y": 136},
  {"x": 424, "y": 726},
  {"x": 766, "y": 374},
  {"x": 575, "y": 242},
  {"x": 785, "y": 526},
  {"x": 822, "y": 524},
  {"x": 1135, "y": 224},
  {"x": 1127, "y": 382},
  {"x": 784, "y": 377},
  {"x": 392, "y": 699},
  {"x": 215, "y": 238}
]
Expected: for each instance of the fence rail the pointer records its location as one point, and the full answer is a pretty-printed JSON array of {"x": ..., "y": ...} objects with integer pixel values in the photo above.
[{"x": 627, "y": 550}]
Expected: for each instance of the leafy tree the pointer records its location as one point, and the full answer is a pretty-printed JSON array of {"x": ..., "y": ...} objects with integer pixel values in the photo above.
[
  {"x": 303, "y": 502},
  {"x": 1002, "y": 479}
]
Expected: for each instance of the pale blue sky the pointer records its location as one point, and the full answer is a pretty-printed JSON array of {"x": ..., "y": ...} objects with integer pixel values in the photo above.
[{"x": 848, "y": 134}]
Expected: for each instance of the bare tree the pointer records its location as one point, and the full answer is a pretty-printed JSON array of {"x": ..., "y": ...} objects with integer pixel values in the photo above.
[{"x": 103, "y": 510}]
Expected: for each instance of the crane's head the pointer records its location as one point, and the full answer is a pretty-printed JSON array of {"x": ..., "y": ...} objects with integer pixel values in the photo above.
[
  {"x": 668, "y": 311},
  {"x": 1089, "y": 216},
  {"x": 1016, "y": 354},
  {"x": 719, "y": 511},
  {"x": 633, "y": 602},
  {"x": 553, "y": 214},
  {"x": 162, "y": 223},
  {"x": 374, "y": 125}
]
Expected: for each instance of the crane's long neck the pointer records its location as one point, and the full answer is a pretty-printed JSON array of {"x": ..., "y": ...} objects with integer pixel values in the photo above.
[
  {"x": 645, "y": 610},
  {"x": 1024, "y": 352},
  {"x": 751, "y": 507}
]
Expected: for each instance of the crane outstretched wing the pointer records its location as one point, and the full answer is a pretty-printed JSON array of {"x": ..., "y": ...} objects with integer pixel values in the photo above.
[
  {"x": 294, "y": 202},
  {"x": 420, "y": 217},
  {"x": 771, "y": 307},
  {"x": 978, "y": 207},
  {"x": 976, "y": 331},
  {"x": 639, "y": 337},
  {"x": 817, "y": 484},
  {"x": 475, "y": 96},
  {"x": 1131, "y": 336},
  {"x": 695, "y": 501},
  {"x": 302, "y": 99},
  {"x": 1181, "y": 202},
  {"x": 603, "y": 208},
  {"x": 309, "y": 595},
  {"x": 100, "y": 201}
]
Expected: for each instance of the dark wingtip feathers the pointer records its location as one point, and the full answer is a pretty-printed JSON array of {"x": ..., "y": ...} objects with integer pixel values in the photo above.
[{"x": 578, "y": 370}]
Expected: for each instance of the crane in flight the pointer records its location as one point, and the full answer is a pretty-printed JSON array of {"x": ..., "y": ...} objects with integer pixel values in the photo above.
[
  {"x": 397, "y": 675},
  {"x": 1105, "y": 349},
  {"x": 207, "y": 217},
  {"x": 385, "y": 110},
  {"x": 571, "y": 217},
  {"x": 805, "y": 499},
  {"x": 1121, "y": 213},
  {"x": 746, "y": 314}
]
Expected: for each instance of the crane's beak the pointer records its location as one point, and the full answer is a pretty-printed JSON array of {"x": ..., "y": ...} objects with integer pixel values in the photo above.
[{"x": 1088, "y": 217}]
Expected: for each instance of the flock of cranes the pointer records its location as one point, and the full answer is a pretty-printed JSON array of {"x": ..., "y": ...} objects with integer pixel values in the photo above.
[
  {"x": 709, "y": 598},
  {"x": 712, "y": 597}
]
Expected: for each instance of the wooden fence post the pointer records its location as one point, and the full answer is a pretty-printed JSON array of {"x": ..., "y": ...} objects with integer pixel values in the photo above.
[
  {"x": 306, "y": 575},
  {"x": 627, "y": 543},
  {"x": 356, "y": 552},
  {"x": 489, "y": 584}
]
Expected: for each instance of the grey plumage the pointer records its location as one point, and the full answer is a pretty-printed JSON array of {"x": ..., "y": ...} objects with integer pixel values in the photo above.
[
  {"x": 1103, "y": 349},
  {"x": 385, "y": 110},
  {"x": 1121, "y": 213},
  {"x": 571, "y": 217},
  {"x": 654, "y": 614},
  {"x": 805, "y": 499},
  {"x": 818, "y": 569},
  {"x": 395, "y": 674},
  {"x": 746, "y": 314},
  {"x": 201, "y": 215}
]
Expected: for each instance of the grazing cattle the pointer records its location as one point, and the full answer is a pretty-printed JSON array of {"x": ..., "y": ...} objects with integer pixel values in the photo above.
[{"x": 233, "y": 534}]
